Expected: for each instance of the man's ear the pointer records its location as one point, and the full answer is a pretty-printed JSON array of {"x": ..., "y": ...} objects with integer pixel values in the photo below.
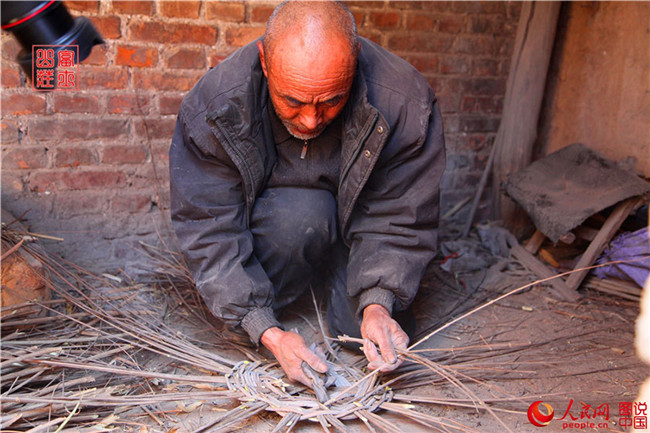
[{"x": 260, "y": 47}]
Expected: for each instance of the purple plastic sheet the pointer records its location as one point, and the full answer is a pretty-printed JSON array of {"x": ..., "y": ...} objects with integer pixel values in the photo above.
[{"x": 627, "y": 246}]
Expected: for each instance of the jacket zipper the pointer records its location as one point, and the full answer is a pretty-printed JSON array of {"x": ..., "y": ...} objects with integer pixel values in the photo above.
[
  {"x": 303, "y": 154},
  {"x": 243, "y": 169}
]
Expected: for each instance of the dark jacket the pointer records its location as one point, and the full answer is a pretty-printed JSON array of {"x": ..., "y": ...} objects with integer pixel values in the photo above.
[{"x": 392, "y": 159}]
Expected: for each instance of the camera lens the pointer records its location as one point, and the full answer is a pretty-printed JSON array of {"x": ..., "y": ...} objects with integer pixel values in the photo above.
[{"x": 46, "y": 23}]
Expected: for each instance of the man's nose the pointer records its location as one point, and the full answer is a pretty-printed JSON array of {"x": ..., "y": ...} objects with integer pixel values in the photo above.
[{"x": 310, "y": 117}]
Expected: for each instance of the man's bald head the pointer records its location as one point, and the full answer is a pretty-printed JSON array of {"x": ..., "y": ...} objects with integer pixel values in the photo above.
[
  {"x": 316, "y": 22},
  {"x": 309, "y": 55}
]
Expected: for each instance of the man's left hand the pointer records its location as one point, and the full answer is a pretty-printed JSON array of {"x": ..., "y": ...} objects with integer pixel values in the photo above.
[{"x": 378, "y": 328}]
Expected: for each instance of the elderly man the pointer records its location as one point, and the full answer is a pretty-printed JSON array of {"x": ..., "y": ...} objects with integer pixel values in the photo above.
[{"x": 309, "y": 157}]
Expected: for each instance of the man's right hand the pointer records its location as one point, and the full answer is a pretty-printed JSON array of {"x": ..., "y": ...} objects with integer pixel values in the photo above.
[{"x": 290, "y": 349}]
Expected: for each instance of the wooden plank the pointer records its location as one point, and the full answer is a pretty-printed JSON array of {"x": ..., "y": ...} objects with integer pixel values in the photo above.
[
  {"x": 585, "y": 233},
  {"x": 536, "y": 240},
  {"x": 540, "y": 269},
  {"x": 523, "y": 101},
  {"x": 479, "y": 192},
  {"x": 621, "y": 286},
  {"x": 596, "y": 247}
]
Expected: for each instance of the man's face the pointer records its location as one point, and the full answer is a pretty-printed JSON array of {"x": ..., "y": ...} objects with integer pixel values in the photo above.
[{"x": 308, "y": 93}]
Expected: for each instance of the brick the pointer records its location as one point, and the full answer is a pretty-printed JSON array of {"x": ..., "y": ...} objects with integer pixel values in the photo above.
[
  {"x": 476, "y": 142},
  {"x": 479, "y": 124},
  {"x": 420, "y": 43},
  {"x": 83, "y": 6},
  {"x": 140, "y": 7},
  {"x": 160, "y": 151},
  {"x": 513, "y": 10},
  {"x": 504, "y": 67},
  {"x": 131, "y": 55},
  {"x": 482, "y": 45},
  {"x": 384, "y": 20},
  {"x": 123, "y": 154},
  {"x": 24, "y": 158},
  {"x": 10, "y": 49},
  {"x": 486, "y": 7},
  {"x": 504, "y": 45},
  {"x": 424, "y": 63},
  {"x": 451, "y": 24},
  {"x": 154, "y": 128},
  {"x": 64, "y": 102},
  {"x": 161, "y": 81},
  {"x": 68, "y": 128},
  {"x": 444, "y": 84},
  {"x": 13, "y": 191},
  {"x": 452, "y": 123},
  {"x": 9, "y": 131},
  {"x": 169, "y": 104},
  {"x": 484, "y": 86},
  {"x": 373, "y": 35},
  {"x": 170, "y": 33},
  {"x": 75, "y": 203},
  {"x": 260, "y": 13},
  {"x": 359, "y": 18},
  {"x": 449, "y": 102},
  {"x": 216, "y": 58},
  {"x": 187, "y": 58},
  {"x": 454, "y": 65},
  {"x": 146, "y": 177},
  {"x": 226, "y": 11},
  {"x": 485, "y": 67},
  {"x": 131, "y": 203},
  {"x": 108, "y": 26},
  {"x": 365, "y": 4},
  {"x": 421, "y": 22},
  {"x": 74, "y": 157},
  {"x": 103, "y": 78},
  {"x": 507, "y": 28},
  {"x": 182, "y": 9},
  {"x": 42, "y": 181},
  {"x": 240, "y": 36},
  {"x": 477, "y": 104},
  {"x": 128, "y": 104},
  {"x": 483, "y": 24},
  {"x": 10, "y": 77},
  {"x": 97, "y": 56},
  {"x": 21, "y": 104},
  {"x": 407, "y": 4}
]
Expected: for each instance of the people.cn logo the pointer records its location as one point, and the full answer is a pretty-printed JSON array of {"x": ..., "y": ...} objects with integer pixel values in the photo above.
[{"x": 536, "y": 417}]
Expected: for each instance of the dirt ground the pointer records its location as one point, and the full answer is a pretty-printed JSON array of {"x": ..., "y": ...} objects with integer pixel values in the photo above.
[{"x": 576, "y": 357}]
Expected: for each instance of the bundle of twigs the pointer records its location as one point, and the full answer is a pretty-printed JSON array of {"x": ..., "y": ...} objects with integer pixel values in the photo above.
[{"x": 94, "y": 364}]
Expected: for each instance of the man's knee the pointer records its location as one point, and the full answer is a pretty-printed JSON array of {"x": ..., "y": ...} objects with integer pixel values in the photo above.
[{"x": 295, "y": 220}]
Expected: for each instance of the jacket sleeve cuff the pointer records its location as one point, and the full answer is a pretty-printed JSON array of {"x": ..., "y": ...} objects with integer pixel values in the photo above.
[
  {"x": 376, "y": 295},
  {"x": 257, "y": 321}
]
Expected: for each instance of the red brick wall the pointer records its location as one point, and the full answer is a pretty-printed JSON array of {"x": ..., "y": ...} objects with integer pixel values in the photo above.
[{"x": 91, "y": 165}]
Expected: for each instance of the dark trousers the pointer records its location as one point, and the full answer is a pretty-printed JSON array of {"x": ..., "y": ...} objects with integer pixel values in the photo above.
[{"x": 297, "y": 241}]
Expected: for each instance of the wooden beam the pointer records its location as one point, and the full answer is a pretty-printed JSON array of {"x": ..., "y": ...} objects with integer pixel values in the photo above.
[
  {"x": 523, "y": 102},
  {"x": 596, "y": 247},
  {"x": 535, "y": 241},
  {"x": 559, "y": 288}
]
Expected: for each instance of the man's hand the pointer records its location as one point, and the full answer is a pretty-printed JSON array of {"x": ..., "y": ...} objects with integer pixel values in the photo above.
[
  {"x": 291, "y": 350},
  {"x": 378, "y": 328}
]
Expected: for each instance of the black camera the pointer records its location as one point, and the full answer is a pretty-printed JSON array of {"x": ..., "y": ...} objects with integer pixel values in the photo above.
[{"x": 46, "y": 23}]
